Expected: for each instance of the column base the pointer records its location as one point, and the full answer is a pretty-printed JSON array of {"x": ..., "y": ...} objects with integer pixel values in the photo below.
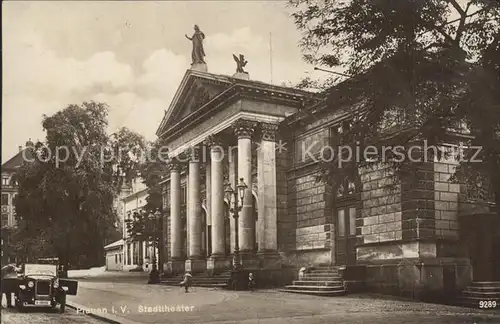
[
  {"x": 196, "y": 265},
  {"x": 175, "y": 267},
  {"x": 218, "y": 263},
  {"x": 248, "y": 260},
  {"x": 269, "y": 259}
]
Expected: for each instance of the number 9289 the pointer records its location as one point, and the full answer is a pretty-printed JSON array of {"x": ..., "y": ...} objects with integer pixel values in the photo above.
[{"x": 487, "y": 304}]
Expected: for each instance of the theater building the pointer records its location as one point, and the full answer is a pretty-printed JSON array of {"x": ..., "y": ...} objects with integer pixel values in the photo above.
[{"x": 430, "y": 236}]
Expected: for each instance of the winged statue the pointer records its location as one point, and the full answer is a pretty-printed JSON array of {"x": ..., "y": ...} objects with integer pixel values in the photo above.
[{"x": 240, "y": 63}]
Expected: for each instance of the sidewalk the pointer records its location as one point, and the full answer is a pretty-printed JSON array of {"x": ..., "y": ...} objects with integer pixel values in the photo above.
[
  {"x": 96, "y": 273},
  {"x": 135, "y": 303},
  {"x": 139, "y": 303}
]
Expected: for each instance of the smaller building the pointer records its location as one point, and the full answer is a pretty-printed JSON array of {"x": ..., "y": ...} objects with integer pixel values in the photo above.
[
  {"x": 135, "y": 254},
  {"x": 114, "y": 256}
]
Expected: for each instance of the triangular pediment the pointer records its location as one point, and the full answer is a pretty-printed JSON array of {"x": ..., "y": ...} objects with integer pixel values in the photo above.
[{"x": 196, "y": 90}]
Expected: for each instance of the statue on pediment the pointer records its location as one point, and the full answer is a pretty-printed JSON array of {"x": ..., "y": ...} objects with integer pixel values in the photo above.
[
  {"x": 240, "y": 63},
  {"x": 198, "y": 53}
]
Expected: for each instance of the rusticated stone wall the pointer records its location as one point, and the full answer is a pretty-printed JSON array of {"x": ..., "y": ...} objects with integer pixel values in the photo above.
[
  {"x": 381, "y": 206},
  {"x": 446, "y": 196}
]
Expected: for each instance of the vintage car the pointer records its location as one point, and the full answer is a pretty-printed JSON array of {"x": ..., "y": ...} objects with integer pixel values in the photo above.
[{"x": 38, "y": 285}]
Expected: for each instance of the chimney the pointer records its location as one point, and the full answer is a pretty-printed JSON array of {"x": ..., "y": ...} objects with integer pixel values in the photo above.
[{"x": 20, "y": 148}]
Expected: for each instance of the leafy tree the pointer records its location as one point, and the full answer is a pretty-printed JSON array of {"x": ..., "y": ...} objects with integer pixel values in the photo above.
[
  {"x": 126, "y": 153},
  {"x": 419, "y": 70},
  {"x": 68, "y": 204},
  {"x": 153, "y": 170}
]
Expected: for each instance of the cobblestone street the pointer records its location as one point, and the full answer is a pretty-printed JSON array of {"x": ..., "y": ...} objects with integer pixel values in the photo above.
[
  {"x": 136, "y": 302},
  {"x": 12, "y": 316}
]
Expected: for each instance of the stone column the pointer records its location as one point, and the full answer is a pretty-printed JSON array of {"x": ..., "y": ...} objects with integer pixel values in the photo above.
[
  {"x": 176, "y": 264},
  {"x": 268, "y": 200},
  {"x": 218, "y": 258},
  {"x": 233, "y": 180},
  {"x": 208, "y": 194},
  {"x": 196, "y": 261},
  {"x": 244, "y": 130}
]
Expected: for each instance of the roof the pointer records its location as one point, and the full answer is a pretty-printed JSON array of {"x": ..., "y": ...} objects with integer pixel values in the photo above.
[
  {"x": 17, "y": 160},
  {"x": 228, "y": 86},
  {"x": 114, "y": 245}
]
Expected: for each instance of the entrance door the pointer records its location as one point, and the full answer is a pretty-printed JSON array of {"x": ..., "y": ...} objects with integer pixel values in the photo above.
[{"x": 346, "y": 235}]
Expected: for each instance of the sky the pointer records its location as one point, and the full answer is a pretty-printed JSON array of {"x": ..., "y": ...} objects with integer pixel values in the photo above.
[{"x": 130, "y": 55}]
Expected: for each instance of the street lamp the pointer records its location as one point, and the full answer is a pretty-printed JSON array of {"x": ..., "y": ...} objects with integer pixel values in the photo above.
[
  {"x": 154, "y": 276},
  {"x": 230, "y": 193}
]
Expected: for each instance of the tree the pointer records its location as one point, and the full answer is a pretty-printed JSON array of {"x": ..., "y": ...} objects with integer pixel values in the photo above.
[
  {"x": 418, "y": 70},
  {"x": 66, "y": 193},
  {"x": 153, "y": 171}
]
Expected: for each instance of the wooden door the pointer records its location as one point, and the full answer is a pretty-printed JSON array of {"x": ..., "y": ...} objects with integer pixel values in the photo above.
[{"x": 346, "y": 235}]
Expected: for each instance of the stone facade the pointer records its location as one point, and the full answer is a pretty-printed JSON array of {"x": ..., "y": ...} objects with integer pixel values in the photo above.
[{"x": 406, "y": 234}]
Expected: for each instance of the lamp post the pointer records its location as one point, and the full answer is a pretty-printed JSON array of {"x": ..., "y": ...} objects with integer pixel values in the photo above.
[
  {"x": 230, "y": 193},
  {"x": 154, "y": 276}
]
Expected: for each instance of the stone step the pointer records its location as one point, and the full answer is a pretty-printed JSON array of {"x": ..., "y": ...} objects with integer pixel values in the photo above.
[
  {"x": 316, "y": 288},
  {"x": 483, "y": 294},
  {"x": 486, "y": 284},
  {"x": 320, "y": 277},
  {"x": 323, "y": 271},
  {"x": 331, "y": 268},
  {"x": 483, "y": 288},
  {"x": 317, "y": 283},
  {"x": 315, "y": 292}
]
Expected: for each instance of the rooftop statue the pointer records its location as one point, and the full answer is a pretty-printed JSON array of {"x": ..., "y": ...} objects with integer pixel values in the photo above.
[
  {"x": 241, "y": 63},
  {"x": 198, "y": 53}
]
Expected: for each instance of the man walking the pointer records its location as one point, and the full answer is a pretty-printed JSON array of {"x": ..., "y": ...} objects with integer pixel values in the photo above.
[{"x": 186, "y": 282}]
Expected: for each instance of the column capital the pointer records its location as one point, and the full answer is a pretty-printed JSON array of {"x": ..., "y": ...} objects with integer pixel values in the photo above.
[
  {"x": 174, "y": 166},
  {"x": 193, "y": 154},
  {"x": 244, "y": 128},
  {"x": 214, "y": 140},
  {"x": 268, "y": 131}
]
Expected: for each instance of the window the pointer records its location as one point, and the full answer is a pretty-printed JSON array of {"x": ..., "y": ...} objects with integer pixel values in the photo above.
[
  {"x": 346, "y": 125},
  {"x": 346, "y": 189},
  {"x": 183, "y": 195},
  {"x": 116, "y": 258},
  {"x": 5, "y": 199},
  {"x": 341, "y": 222},
  {"x": 5, "y": 181},
  {"x": 352, "y": 221},
  {"x": 5, "y": 220}
]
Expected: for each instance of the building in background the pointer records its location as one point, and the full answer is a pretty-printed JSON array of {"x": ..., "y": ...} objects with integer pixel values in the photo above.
[
  {"x": 136, "y": 254},
  {"x": 114, "y": 256},
  {"x": 9, "y": 193}
]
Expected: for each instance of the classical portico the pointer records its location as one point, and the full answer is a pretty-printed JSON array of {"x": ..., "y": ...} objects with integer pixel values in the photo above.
[{"x": 219, "y": 129}]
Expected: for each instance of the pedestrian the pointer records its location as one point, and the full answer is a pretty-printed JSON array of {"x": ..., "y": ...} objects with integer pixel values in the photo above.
[
  {"x": 251, "y": 281},
  {"x": 186, "y": 282}
]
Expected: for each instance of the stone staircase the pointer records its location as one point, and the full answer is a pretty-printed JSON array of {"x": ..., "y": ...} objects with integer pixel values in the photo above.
[
  {"x": 220, "y": 280},
  {"x": 481, "y": 294},
  {"x": 320, "y": 281}
]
